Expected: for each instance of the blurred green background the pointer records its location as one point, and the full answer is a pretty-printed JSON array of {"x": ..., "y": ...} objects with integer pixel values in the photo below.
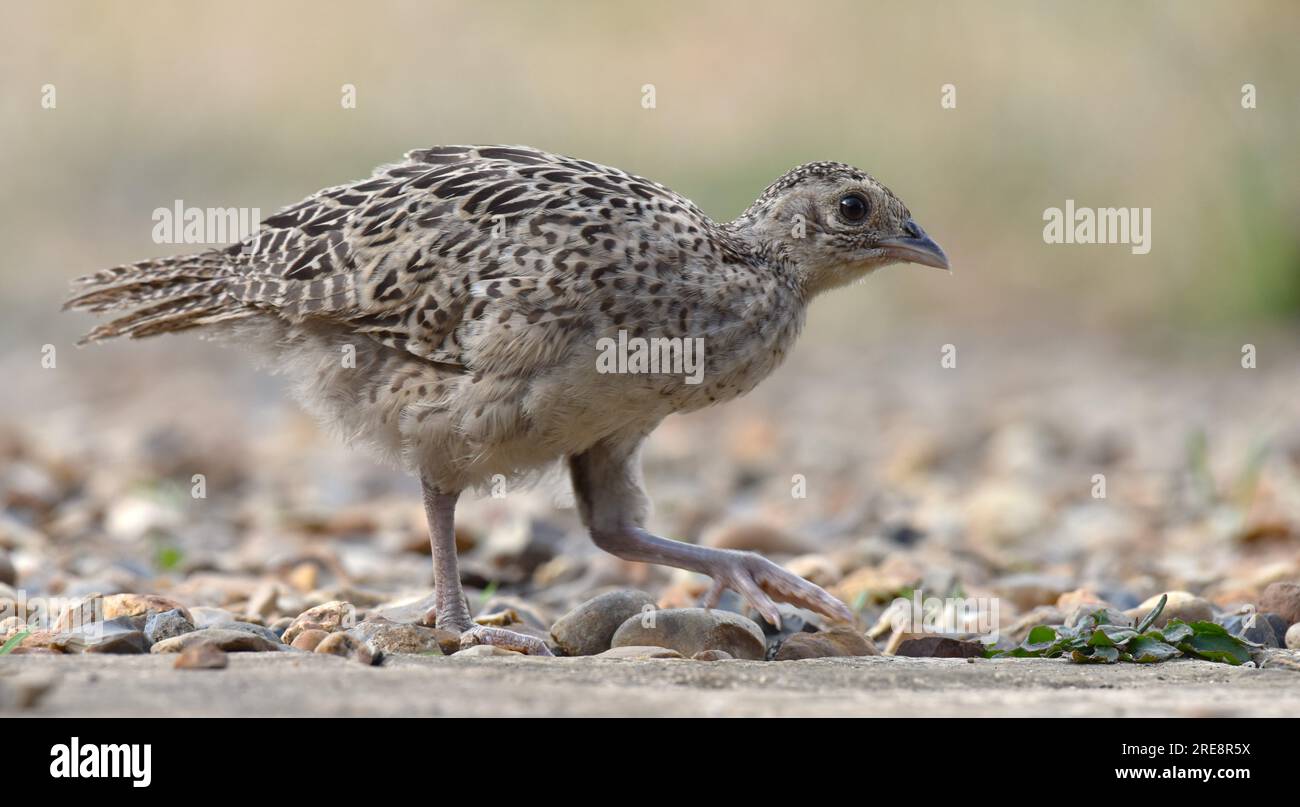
[{"x": 1112, "y": 104}]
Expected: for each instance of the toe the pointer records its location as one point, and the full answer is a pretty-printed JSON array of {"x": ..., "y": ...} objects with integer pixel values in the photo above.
[
  {"x": 758, "y": 598},
  {"x": 507, "y": 639},
  {"x": 788, "y": 587}
]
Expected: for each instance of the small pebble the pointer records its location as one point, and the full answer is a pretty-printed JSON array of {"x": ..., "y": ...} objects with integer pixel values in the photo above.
[
  {"x": 331, "y": 616},
  {"x": 644, "y": 652},
  {"x": 932, "y": 646},
  {"x": 1282, "y": 599},
  {"x": 121, "y": 643},
  {"x": 1029, "y": 590},
  {"x": 690, "y": 630},
  {"x": 309, "y": 639},
  {"x": 264, "y": 601},
  {"x": 337, "y": 644},
  {"x": 231, "y": 641},
  {"x": 711, "y": 655},
  {"x": 348, "y": 646},
  {"x": 833, "y": 643},
  {"x": 589, "y": 628},
  {"x": 1181, "y": 605},
  {"x": 391, "y": 637},
  {"x": 8, "y": 575},
  {"x": 499, "y": 619},
  {"x": 481, "y": 650},
  {"x": 112, "y": 636},
  {"x": 279, "y": 626},
  {"x": 140, "y": 605},
  {"x": 249, "y": 627},
  {"x": 201, "y": 656},
  {"x": 305, "y": 577},
  {"x": 166, "y": 625},
  {"x": 524, "y": 611},
  {"x": 1267, "y": 630},
  {"x": 205, "y": 617}
]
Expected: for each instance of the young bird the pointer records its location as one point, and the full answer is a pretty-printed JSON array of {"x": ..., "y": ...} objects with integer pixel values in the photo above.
[{"x": 446, "y": 313}]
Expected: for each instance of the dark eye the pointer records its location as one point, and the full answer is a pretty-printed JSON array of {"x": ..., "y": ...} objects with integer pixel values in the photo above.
[{"x": 853, "y": 207}]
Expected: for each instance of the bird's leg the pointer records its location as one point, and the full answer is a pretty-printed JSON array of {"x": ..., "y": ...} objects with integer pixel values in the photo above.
[
  {"x": 607, "y": 487},
  {"x": 449, "y": 598}
]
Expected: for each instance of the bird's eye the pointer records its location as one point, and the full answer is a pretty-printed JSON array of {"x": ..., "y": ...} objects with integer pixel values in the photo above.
[{"x": 853, "y": 207}]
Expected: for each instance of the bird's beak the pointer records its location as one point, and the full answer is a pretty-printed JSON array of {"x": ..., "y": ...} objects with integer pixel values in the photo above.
[{"x": 915, "y": 247}]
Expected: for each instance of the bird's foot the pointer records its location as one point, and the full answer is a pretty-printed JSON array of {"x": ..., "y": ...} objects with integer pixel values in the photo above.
[
  {"x": 760, "y": 581},
  {"x": 508, "y": 639}
]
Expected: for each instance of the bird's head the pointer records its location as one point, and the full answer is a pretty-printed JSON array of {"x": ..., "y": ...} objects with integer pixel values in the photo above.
[{"x": 834, "y": 224}]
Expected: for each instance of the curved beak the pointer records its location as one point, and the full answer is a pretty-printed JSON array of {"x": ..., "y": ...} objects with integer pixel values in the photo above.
[{"x": 915, "y": 247}]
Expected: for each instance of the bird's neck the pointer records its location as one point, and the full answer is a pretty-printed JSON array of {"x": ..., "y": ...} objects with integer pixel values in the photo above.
[
  {"x": 742, "y": 238},
  {"x": 808, "y": 282},
  {"x": 833, "y": 277}
]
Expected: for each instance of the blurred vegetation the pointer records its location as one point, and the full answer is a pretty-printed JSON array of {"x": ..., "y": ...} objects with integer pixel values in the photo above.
[{"x": 1110, "y": 104}]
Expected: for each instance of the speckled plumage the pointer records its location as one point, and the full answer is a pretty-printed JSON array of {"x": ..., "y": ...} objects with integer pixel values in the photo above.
[{"x": 472, "y": 285}]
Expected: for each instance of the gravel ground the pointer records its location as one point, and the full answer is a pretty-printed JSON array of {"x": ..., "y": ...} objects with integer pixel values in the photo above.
[
  {"x": 1039, "y": 480},
  {"x": 284, "y": 684}
]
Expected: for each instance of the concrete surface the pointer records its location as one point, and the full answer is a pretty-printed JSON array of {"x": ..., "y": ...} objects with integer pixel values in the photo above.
[{"x": 308, "y": 684}]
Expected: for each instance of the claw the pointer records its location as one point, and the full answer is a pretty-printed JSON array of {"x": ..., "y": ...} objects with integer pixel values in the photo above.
[
  {"x": 759, "y": 599},
  {"x": 761, "y": 582},
  {"x": 801, "y": 593}
]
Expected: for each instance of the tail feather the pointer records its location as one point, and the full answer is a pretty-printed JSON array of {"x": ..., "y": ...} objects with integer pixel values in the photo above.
[
  {"x": 168, "y": 294},
  {"x": 139, "y": 293},
  {"x": 203, "y": 264},
  {"x": 184, "y": 321}
]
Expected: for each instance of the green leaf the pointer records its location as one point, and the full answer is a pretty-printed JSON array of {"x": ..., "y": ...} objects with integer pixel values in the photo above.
[
  {"x": 1043, "y": 634},
  {"x": 1100, "y": 639},
  {"x": 1110, "y": 636},
  {"x": 1209, "y": 629},
  {"x": 1212, "y": 647},
  {"x": 1118, "y": 633},
  {"x": 1174, "y": 632},
  {"x": 1022, "y": 652},
  {"x": 1043, "y": 641},
  {"x": 1015, "y": 652},
  {"x": 1064, "y": 634},
  {"x": 14, "y": 641},
  {"x": 1101, "y": 617},
  {"x": 1099, "y": 655},
  {"x": 1145, "y": 650},
  {"x": 1150, "y": 618},
  {"x": 1096, "y": 640}
]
